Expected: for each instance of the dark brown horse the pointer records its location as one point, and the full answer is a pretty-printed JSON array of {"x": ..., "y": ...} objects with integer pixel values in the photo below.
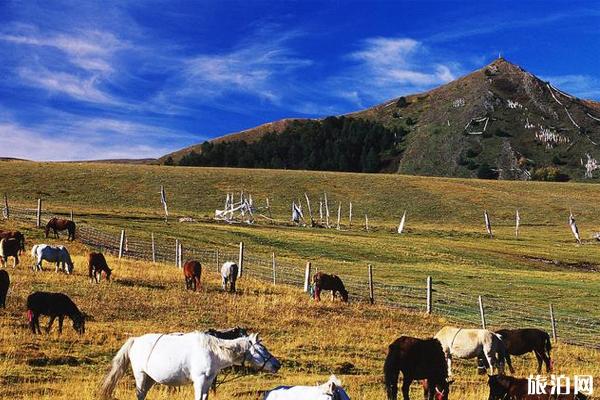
[
  {"x": 4, "y": 284},
  {"x": 54, "y": 305},
  {"x": 504, "y": 387},
  {"x": 9, "y": 248},
  {"x": 521, "y": 341},
  {"x": 96, "y": 266},
  {"x": 191, "y": 272},
  {"x": 417, "y": 359},
  {"x": 59, "y": 224},
  {"x": 14, "y": 235},
  {"x": 324, "y": 281}
]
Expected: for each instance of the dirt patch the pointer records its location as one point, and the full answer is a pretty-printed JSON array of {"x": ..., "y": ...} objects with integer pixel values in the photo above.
[
  {"x": 133, "y": 283},
  {"x": 65, "y": 360},
  {"x": 581, "y": 266}
]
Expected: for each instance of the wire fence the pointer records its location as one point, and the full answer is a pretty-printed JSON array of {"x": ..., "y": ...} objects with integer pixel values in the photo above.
[{"x": 499, "y": 311}]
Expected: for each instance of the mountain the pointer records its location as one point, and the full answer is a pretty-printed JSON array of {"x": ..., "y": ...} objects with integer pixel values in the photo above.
[{"x": 497, "y": 122}]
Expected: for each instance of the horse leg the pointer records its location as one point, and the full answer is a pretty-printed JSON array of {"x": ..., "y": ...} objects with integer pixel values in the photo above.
[
  {"x": 143, "y": 383},
  {"x": 317, "y": 293},
  {"x": 52, "y": 317},
  {"x": 224, "y": 283},
  {"x": 538, "y": 356},
  {"x": 201, "y": 387},
  {"x": 509, "y": 363},
  {"x": 547, "y": 361},
  {"x": 332, "y": 295},
  {"x": 61, "y": 318},
  {"x": 449, "y": 361},
  {"x": 37, "y": 324},
  {"x": 233, "y": 285},
  {"x": 16, "y": 260},
  {"x": 406, "y": 387},
  {"x": 490, "y": 356}
]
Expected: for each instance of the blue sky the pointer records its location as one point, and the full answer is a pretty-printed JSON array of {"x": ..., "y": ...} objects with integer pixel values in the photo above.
[{"x": 132, "y": 79}]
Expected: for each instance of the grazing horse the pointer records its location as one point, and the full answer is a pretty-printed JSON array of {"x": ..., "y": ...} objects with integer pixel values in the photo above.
[
  {"x": 521, "y": 341},
  {"x": 4, "y": 284},
  {"x": 509, "y": 388},
  {"x": 324, "y": 281},
  {"x": 191, "y": 272},
  {"x": 58, "y": 254},
  {"x": 227, "y": 334},
  {"x": 96, "y": 266},
  {"x": 14, "y": 235},
  {"x": 417, "y": 359},
  {"x": 229, "y": 273},
  {"x": 59, "y": 224},
  {"x": 470, "y": 343},
  {"x": 53, "y": 305},
  {"x": 182, "y": 359},
  {"x": 9, "y": 248},
  {"x": 331, "y": 390}
]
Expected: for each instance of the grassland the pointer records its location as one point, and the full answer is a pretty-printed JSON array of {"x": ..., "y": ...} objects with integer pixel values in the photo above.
[{"x": 445, "y": 239}]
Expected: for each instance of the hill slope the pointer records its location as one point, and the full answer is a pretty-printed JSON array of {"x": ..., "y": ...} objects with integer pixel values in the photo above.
[{"x": 497, "y": 121}]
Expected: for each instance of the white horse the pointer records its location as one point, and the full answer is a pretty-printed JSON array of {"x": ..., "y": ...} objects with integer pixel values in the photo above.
[
  {"x": 331, "y": 390},
  {"x": 229, "y": 273},
  {"x": 58, "y": 254},
  {"x": 182, "y": 359},
  {"x": 470, "y": 343}
]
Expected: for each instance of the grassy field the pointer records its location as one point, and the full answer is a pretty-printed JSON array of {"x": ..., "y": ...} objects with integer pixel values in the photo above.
[{"x": 445, "y": 239}]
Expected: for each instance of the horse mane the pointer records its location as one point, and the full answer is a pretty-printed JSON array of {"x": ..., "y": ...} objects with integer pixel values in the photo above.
[{"x": 229, "y": 349}]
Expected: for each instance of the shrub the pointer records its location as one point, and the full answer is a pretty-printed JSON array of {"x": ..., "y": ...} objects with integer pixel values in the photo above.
[
  {"x": 486, "y": 172},
  {"x": 550, "y": 174}
]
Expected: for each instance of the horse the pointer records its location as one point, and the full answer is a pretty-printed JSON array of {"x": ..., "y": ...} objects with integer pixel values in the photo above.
[
  {"x": 182, "y": 359},
  {"x": 510, "y": 388},
  {"x": 417, "y": 359},
  {"x": 4, "y": 284},
  {"x": 53, "y": 305},
  {"x": 59, "y": 224},
  {"x": 58, "y": 254},
  {"x": 324, "y": 281},
  {"x": 96, "y": 265},
  {"x": 331, "y": 390},
  {"x": 521, "y": 341},
  {"x": 14, "y": 235},
  {"x": 227, "y": 334},
  {"x": 229, "y": 273},
  {"x": 470, "y": 343},
  {"x": 191, "y": 272},
  {"x": 9, "y": 248}
]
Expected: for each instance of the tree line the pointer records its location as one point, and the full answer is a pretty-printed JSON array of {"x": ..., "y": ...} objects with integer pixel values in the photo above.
[{"x": 332, "y": 144}]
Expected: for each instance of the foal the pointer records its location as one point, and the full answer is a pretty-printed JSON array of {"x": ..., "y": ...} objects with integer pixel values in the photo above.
[
  {"x": 96, "y": 265},
  {"x": 324, "y": 281},
  {"x": 192, "y": 270},
  {"x": 53, "y": 305}
]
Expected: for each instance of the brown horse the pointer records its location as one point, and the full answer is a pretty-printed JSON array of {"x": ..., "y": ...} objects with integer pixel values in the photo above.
[
  {"x": 506, "y": 387},
  {"x": 9, "y": 248},
  {"x": 416, "y": 359},
  {"x": 191, "y": 272},
  {"x": 14, "y": 235},
  {"x": 521, "y": 341},
  {"x": 59, "y": 224},
  {"x": 4, "y": 284},
  {"x": 96, "y": 266},
  {"x": 324, "y": 281}
]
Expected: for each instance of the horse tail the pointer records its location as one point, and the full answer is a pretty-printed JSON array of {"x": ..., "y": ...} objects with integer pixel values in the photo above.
[
  {"x": 547, "y": 344},
  {"x": 119, "y": 367},
  {"x": 502, "y": 352},
  {"x": 391, "y": 371}
]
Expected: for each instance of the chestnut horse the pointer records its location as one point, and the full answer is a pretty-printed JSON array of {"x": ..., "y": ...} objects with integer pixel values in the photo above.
[
  {"x": 324, "y": 281},
  {"x": 59, "y": 224},
  {"x": 417, "y": 359},
  {"x": 96, "y": 266},
  {"x": 506, "y": 387},
  {"x": 191, "y": 272},
  {"x": 14, "y": 235},
  {"x": 521, "y": 341}
]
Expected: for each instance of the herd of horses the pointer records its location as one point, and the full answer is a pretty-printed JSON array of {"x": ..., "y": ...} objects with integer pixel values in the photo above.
[{"x": 196, "y": 358}]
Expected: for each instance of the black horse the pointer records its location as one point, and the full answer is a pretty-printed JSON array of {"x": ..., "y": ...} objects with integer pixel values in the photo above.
[
  {"x": 417, "y": 359},
  {"x": 4, "y": 284},
  {"x": 521, "y": 341},
  {"x": 53, "y": 305}
]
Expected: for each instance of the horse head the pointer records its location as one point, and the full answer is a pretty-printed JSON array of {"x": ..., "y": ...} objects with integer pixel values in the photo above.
[
  {"x": 442, "y": 390},
  {"x": 259, "y": 356},
  {"x": 79, "y": 323}
]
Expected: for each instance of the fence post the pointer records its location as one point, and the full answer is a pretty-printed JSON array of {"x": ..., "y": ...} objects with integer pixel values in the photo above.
[
  {"x": 482, "y": 312},
  {"x": 176, "y": 252},
  {"x": 429, "y": 304},
  {"x": 366, "y": 223},
  {"x": 217, "y": 260},
  {"x": 71, "y": 215},
  {"x": 307, "y": 277},
  {"x": 153, "y": 249},
  {"x": 274, "y": 269},
  {"x": 180, "y": 256},
  {"x": 121, "y": 243},
  {"x": 241, "y": 259},
  {"x": 350, "y": 216},
  {"x": 6, "y": 209},
  {"x": 371, "y": 293},
  {"x": 38, "y": 219},
  {"x": 553, "y": 321}
]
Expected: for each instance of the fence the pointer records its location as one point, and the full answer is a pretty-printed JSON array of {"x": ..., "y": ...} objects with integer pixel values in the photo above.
[{"x": 493, "y": 310}]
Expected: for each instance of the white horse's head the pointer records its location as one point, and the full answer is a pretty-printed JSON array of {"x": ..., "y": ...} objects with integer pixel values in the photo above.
[{"x": 259, "y": 357}]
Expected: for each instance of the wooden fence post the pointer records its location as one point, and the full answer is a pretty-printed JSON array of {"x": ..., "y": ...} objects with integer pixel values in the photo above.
[
  {"x": 429, "y": 304},
  {"x": 371, "y": 292},
  {"x": 217, "y": 260},
  {"x": 338, "y": 227},
  {"x": 176, "y": 252},
  {"x": 350, "y": 216},
  {"x": 180, "y": 256},
  {"x": 307, "y": 277},
  {"x": 553, "y": 321},
  {"x": 153, "y": 249},
  {"x": 482, "y": 312},
  {"x": 366, "y": 223},
  {"x": 241, "y": 260},
  {"x": 121, "y": 243},
  {"x": 274, "y": 268},
  {"x": 71, "y": 215},
  {"x": 38, "y": 219},
  {"x": 6, "y": 209}
]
